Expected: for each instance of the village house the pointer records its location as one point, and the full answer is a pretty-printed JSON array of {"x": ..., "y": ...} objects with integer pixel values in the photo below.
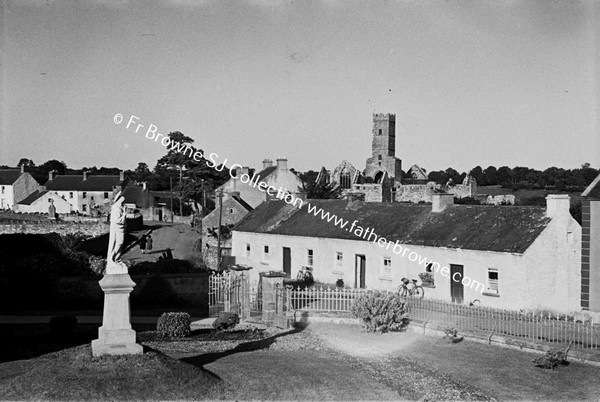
[
  {"x": 590, "y": 247},
  {"x": 15, "y": 185},
  {"x": 241, "y": 193},
  {"x": 40, "y": 200},
  {"x": 506, "y": 257},
  {"x": 86, "y": 192}
]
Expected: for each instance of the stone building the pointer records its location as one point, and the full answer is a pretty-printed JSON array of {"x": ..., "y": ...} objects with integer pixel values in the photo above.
[
  {"x": 590, "y": 247},
  {"x": 86, "y": 192},
  {"x": 241, "y": 194},
  {"x": 15, "y": 185},
  {"x": 382, "y": 179},
  {"x": 513, "y": 258}
]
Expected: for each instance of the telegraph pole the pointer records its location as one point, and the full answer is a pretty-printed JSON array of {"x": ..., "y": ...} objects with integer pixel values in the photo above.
[
  {"x": 219, "y": 230},
  {"x": 171, "y": 181}
]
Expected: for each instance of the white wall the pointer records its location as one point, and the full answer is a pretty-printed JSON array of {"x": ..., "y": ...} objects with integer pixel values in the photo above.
[
  {"x": 7, "y": 199},
  {"x": 511, "y": 267},
  {"x": 42, "y": 204}
]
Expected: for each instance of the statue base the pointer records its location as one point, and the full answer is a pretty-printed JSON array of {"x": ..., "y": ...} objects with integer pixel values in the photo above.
[{"x": 115, "y": 336}]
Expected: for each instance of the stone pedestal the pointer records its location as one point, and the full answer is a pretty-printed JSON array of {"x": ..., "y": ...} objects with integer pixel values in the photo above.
[
  {"x": 115, "y": 336},
  {"x": 272, "y": 299}
]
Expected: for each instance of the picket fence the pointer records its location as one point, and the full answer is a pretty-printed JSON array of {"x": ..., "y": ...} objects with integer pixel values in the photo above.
[{"x": 544, "y": 327}]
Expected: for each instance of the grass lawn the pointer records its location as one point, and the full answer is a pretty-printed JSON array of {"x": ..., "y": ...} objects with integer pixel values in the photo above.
[
  {"x": 473, "y": 369},
  {"x": 321, "y": 362}
]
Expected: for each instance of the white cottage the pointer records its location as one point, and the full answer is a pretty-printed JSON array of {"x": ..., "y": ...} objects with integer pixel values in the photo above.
[{"x": 510, "y": 257}]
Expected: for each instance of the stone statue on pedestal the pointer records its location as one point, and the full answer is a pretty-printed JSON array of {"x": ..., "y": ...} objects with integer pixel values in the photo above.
[{"x": 115, "y": 336}]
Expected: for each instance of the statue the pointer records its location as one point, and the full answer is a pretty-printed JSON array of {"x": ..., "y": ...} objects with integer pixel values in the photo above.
[
  {"x": 116, "y": 237},
  {"x": 51, "y": 210}
]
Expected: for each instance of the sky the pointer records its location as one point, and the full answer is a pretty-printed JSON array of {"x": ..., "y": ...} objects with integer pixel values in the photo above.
[{"x": 470, "y": 82}]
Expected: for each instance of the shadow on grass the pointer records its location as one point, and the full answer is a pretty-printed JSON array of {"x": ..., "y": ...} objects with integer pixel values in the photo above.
[
  {"x": 251, "y": 346},
  {"x": 208, "y": 373}
]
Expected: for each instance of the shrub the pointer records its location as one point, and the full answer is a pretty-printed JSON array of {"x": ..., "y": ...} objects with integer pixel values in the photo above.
[
  {"x": 226, "y": 320},
  {"x": 63, "y": 326},
  {"x": 174, "y": 325},
  {"x": 551, "y": 359},
  {"x": 426, "y": 277},
  {"x": 452, "y": 335},
  {"x": 380, "y": 311},
  {"x": 339, "y": 283}
]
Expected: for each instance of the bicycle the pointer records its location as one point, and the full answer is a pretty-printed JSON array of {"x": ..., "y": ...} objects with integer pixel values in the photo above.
[
  {"x": 413, "y": 291},
  {"x": 305, "y": 274}
]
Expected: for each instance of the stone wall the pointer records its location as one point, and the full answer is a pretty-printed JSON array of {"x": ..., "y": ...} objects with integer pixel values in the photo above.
[
  {"x": 414, "y": 193},
  {"x": 90, "y": 228},
  {"x": 189, "y": 290}
]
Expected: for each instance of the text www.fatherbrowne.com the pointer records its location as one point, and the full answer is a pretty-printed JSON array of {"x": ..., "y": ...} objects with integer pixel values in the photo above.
[{"x": 213, "y": 161}]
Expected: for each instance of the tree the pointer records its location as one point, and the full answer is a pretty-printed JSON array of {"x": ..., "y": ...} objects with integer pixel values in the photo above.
[
  {"x": 322, "y": 190},
  {"x": 57, "y": 166},
  {"x": 180, "y": 160},
  {"x": 25, "y": 162}
]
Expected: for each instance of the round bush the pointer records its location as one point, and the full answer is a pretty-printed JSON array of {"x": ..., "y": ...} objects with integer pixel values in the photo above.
[
  {"x": 174, "y": 325},
  {"x": 380, "y": 311},
  {"x": 226, "y": 320}
]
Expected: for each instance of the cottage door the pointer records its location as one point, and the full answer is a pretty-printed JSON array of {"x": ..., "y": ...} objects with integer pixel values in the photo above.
[
  {"x": 457, "y": 289},
  {"x": 360, "y": 271},
  {"x": 287, "y": 262}
]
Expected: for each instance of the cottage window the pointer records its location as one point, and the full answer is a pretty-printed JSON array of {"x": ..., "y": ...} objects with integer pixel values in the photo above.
[
  {"x": 84, "y": 194},
  {"x": 266, "y": 253},
  {"x": 429, "y": 268},
  {"x": 84, "y": 208},
  {"x": 71, "y": 195},
  {"x": 492, "y": 285},
  {"x": 105, "y": 196},
  {"x": 247, "y": 249},
  {"x": 2, "y": 189},
  {"x": 385, "y": 270},
  {"x": 309, "y": 258},
  {"x": 380, "y": 131},
  {"x": 339, "y": 258}
]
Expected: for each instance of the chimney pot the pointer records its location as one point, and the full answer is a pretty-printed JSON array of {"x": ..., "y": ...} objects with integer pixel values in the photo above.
[
  {"x": 85, "y": 175},
  {"x": 441, "y": 201},
  {"x": 281, "y": 163},
  {"x": 267, "y": 163},
  {"x": 144, "y": 184},
  {"x": 51, "y": 175},
  {"x": 23, "y": 168},
  {"x": 121, "y": 175}
]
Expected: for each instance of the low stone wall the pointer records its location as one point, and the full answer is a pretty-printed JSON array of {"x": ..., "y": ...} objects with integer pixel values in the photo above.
[
  {"x": 91, "y": 228},
  {"x": 189, "y": 290}
]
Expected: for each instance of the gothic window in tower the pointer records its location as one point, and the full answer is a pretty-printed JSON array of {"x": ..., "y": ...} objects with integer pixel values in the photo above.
[
  {"x": 379, "y": 157},
  {"x": 380, "y": 131}
]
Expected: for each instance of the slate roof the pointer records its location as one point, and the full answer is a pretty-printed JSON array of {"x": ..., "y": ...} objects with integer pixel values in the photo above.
[
  {"x": 593, "y": 190},
  {"x": 265, "y": 172},
  {"x": 475, "y": 227},
  {"x": 9, "y": 176},
  {"x": 30, "y": 199},
  {"x": 76, "y": 183},
  {"x": 243, "y": 203}
]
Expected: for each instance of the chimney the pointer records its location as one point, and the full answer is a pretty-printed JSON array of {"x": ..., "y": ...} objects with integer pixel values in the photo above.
[
  {"x": 238, "y": 171},
  {"x": 23, "y": 168},
  {"x": 144, "y": 184},
  {"x": 557, "y": 205},
  {"x": 245, "y": 170},
  {"x": 51, "y": 175},
  {"x": 85, "y": 175},
  {"x": 441, "y": 201},
  {"x": 281, "y": 163},
  {"x": 121, "y": 175},
  {"x": 267, "y": 163}
]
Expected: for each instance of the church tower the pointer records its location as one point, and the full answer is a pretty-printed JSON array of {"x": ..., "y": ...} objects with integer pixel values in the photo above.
[{"x": 383, "y": 157}]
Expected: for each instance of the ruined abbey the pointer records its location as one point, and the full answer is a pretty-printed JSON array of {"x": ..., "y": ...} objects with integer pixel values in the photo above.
[{"x": 382, "y": 180}]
